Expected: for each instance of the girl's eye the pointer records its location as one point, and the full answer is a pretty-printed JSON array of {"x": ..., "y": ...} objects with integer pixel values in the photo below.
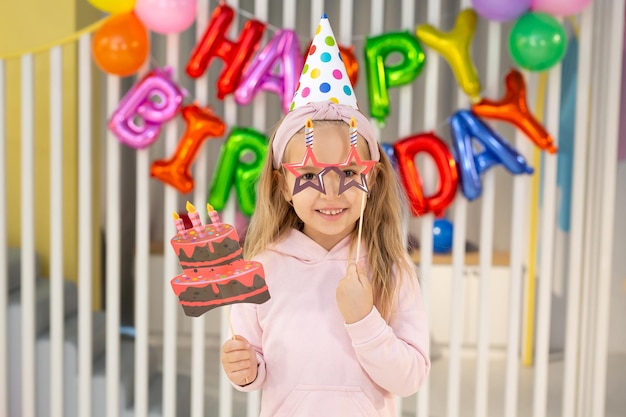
[
  {"x": 308, "y": 176},
  {"x": 349, "y": 173}
]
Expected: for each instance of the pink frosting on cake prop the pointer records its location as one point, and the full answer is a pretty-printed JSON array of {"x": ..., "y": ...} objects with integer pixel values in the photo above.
[{"x": 214, "y": 271}]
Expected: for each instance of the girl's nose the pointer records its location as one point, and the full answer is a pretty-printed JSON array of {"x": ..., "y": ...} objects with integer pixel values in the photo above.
[{"x": 332, "y": 181}]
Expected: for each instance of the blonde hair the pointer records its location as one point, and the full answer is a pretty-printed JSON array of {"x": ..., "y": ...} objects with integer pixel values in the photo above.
[{"x": 382, "y": 226}]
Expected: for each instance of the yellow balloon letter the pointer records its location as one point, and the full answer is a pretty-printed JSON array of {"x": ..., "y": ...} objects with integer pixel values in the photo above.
[{"x": 454, "y": 47}]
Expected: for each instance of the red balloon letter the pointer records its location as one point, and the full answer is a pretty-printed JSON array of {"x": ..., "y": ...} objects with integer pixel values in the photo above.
[
  {"x": 405, "y": 151},
  {"x": 234, "y": 54},
  {"x": 201, "y": 124}
]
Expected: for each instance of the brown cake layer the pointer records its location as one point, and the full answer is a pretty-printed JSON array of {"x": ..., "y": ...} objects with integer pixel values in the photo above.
[
  {"x": 210, "y": 251},
  {"x": 198, "y": 309}
]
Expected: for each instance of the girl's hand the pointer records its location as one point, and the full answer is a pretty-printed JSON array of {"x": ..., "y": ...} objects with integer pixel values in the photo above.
[
  {"x": 354, "y": 295},
  {"x": 239, "y": 361}
]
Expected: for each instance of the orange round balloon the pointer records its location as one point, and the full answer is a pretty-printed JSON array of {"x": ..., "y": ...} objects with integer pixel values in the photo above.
[{"x": 120, "y": 46}]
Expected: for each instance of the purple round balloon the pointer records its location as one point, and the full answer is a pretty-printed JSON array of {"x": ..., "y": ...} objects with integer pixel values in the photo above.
[{"x": 501, "y": 10}]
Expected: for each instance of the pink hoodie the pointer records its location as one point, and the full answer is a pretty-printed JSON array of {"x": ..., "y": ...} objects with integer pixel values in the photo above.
[{"x": 313, "y": 364}]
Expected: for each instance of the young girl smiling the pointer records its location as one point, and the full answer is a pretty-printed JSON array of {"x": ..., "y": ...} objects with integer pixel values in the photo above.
[{"x": 345, "y": 329}]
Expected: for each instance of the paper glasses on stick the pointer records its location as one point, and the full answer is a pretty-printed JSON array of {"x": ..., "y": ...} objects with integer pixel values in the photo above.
[{"x": 311, "y": 173}]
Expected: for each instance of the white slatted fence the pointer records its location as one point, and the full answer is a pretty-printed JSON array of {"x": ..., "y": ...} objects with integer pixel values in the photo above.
[{"x": 190, "y": 348}]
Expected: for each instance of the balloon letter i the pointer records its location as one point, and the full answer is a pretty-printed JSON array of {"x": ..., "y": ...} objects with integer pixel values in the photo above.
[{"x": 201, "y": 124}]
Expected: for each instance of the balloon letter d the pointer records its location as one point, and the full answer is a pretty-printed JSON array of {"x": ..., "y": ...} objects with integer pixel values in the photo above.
[{"x": 405, "y": 151}]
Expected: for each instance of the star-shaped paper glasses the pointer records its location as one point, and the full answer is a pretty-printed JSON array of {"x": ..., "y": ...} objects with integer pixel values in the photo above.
[{"x": 311, "y": 173}]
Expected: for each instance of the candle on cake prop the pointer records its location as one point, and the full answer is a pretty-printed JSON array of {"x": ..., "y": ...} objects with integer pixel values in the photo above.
[
  {"x": 215, "y": 218},
  {"x": 214, "y": 271},
  {"x": 180, "y": 225}
]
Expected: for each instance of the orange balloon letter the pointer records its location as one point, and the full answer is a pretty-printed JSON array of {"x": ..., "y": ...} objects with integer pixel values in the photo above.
[
  {"x": 512, "y": 108},
  {"x": 201, "y": 124}
]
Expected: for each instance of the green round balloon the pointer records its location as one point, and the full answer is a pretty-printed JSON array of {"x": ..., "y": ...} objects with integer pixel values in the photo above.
[{"x": 537, "y": 41}]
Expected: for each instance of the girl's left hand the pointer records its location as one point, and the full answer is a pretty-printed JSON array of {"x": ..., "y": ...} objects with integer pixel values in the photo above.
[{"x": 354, "y": 295}]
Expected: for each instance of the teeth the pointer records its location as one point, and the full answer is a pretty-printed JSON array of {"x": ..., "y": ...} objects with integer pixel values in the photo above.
[{"x": 331, "y": 212}]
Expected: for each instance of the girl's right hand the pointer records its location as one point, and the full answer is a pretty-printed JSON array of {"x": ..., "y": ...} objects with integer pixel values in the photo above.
[{"x": 239, "y": 361}]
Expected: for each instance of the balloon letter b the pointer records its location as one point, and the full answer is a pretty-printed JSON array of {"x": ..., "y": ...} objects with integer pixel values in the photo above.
[
  {"x": 406, "y": 150},
  {"x": 381, "y": 77},
  {"x": 232, "y": 170},
  {"x": 154, "y": 101},
  {"x": 201, "y": 124},
  {"x": 234, "y": 54}
]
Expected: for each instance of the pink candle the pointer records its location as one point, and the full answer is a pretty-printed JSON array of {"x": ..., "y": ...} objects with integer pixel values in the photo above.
[
  {"x": 194, "y": 216},
  {"x": 215, "y": 218},
  {"x": 180, "y": 225}
]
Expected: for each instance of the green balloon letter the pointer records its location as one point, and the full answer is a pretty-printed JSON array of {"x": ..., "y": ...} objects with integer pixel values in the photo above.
[
  {"x": 239, "y": 164},
  {"x": 381, "y": 77}
]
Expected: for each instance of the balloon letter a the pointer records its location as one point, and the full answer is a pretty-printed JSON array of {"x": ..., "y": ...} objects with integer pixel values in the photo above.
[
  {"x": 234, "y": 54},
  {"x": 512, "y": 108},
  {"x": 381, "y": 77},
  {"x": 454, "y": 47},
  {"x": 283, "y": 48},
  {"x": 406, "y": 150},
  {"x": 465, "y": 126},
  {"x": 201, "y": 124}
]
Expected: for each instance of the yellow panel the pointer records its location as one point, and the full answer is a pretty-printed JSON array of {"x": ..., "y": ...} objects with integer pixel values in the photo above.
[{"x": 22, "y": 29}]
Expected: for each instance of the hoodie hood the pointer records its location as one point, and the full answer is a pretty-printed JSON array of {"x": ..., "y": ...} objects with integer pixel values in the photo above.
[{"x": 299, "y": 246}]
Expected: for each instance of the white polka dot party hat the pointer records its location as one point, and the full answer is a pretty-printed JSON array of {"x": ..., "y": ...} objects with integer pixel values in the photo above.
[{"x": 324, "y": 76}]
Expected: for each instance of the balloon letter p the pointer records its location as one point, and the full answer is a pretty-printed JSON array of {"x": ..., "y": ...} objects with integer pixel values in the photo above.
[{"x": 381, "y": 77}]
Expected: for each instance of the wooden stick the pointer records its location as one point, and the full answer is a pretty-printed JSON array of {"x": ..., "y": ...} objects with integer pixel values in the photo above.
[
  {"x": 230, "y": 325},
  {"x": 358, "y": 242}
]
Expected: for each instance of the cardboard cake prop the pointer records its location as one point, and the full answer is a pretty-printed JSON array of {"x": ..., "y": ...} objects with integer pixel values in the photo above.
[{"x": 214, "y": 271}]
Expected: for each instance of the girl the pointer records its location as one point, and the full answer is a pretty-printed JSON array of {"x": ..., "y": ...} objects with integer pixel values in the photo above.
[
  {"x": 334, "y": 339},
  {"x": 339, "y": 336}
]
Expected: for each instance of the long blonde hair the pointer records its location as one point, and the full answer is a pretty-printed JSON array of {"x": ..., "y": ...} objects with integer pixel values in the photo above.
[{"x": 273, "y": 217}]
